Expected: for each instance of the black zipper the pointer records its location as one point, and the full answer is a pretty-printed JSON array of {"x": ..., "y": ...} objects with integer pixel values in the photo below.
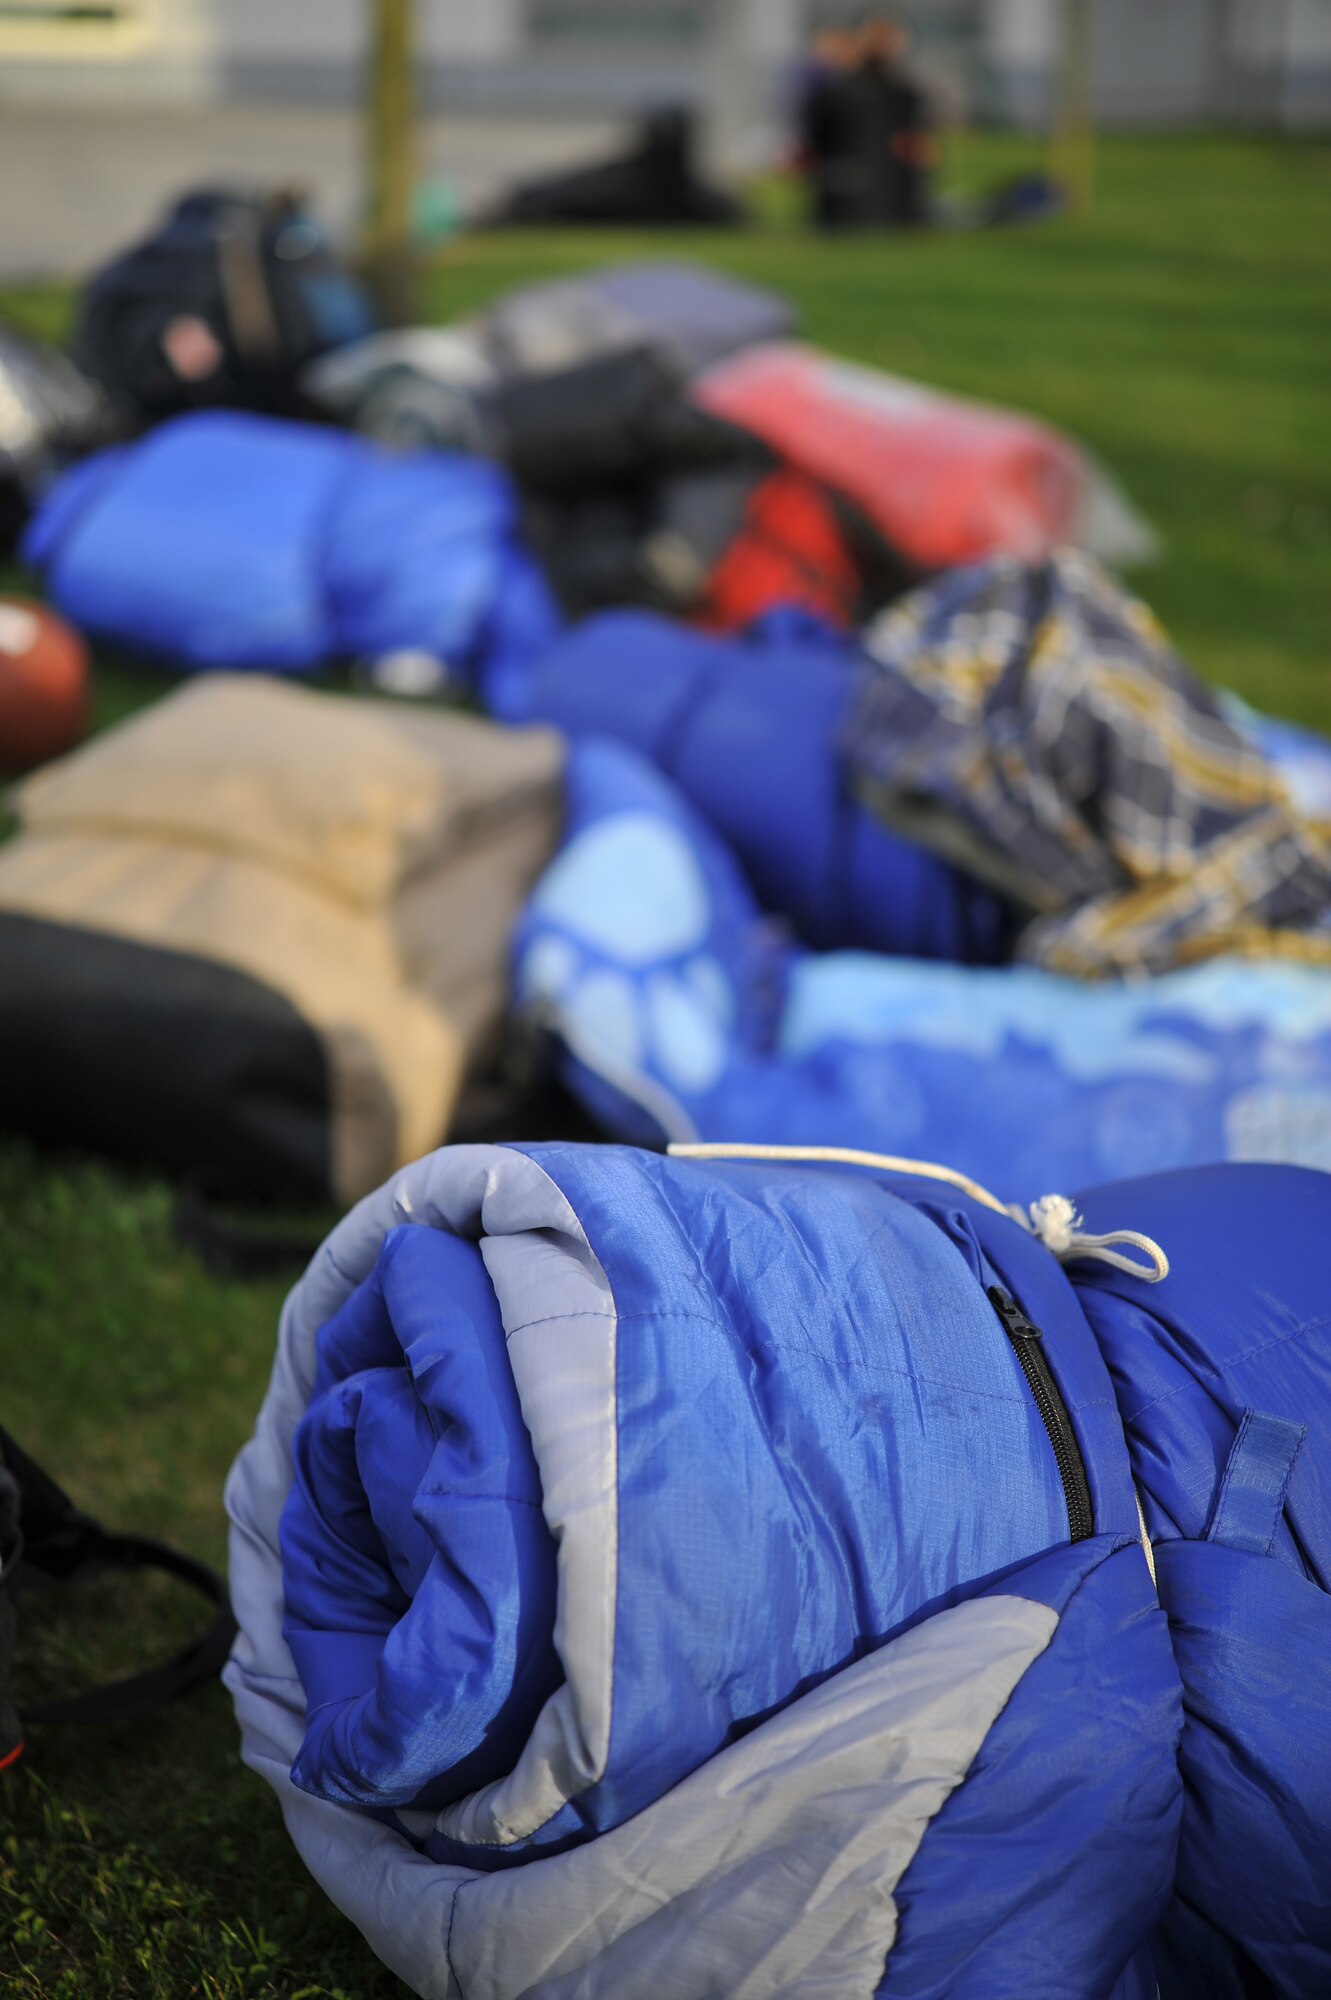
[{"x": 1028, "y": 1344}]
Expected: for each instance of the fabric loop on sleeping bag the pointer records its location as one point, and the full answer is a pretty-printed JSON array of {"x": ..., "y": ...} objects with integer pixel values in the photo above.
[{"x": 1257, "y": 1475}]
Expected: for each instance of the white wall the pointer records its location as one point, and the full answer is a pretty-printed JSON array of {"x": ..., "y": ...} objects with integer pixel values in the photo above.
[
  {"x": 1172, "y": 61},
  {"x": 1309, "y": 31},
  {"x": 190, "y": 51},
  {"x": 1020, "y": 32},
  {"x": 1307, "y": 78},
  {"x": 160, "y": 52},
  {"x": 315, "y": 30}
]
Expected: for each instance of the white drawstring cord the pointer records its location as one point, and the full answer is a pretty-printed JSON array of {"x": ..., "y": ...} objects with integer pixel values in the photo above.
[
  {"x": 1057, "y": 1224},
  {"x": 1052, "y": 1219}
]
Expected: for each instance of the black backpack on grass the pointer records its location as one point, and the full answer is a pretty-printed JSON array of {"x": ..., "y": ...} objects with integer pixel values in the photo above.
[{"x": 45, "y": 1541}]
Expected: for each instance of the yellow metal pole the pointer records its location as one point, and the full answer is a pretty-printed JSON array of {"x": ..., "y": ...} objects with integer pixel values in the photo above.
[
  {"x": 1074, "y": 117},
  {"x": 390, "y": 135}
]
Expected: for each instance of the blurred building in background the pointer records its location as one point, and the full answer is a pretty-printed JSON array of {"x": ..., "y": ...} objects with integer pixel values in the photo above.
[
  {"x": 1163, "y": 62},
  {"x": 176, "y": 93},
  {"x": 1265, "y": 62}
]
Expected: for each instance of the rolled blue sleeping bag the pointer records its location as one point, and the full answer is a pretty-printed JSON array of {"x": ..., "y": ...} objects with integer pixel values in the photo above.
[
  {"x": 784, "y": 1577},
  {"x": 224, "y": 540}
]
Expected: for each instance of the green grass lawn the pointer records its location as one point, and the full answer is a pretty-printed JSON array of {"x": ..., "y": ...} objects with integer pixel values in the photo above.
[{"x": 1182, "y": 331}]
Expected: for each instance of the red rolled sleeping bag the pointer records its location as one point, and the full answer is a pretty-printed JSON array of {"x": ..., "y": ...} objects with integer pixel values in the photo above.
[{"x": 944, "y": 480}]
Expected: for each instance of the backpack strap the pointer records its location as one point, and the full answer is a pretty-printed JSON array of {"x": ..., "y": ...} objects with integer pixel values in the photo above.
[
  {"x": 58, "y": 1543},
  {"x": 230, "y": 1246}
]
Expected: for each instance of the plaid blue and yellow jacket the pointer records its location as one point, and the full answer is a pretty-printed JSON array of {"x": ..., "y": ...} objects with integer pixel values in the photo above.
[{"x": 1031, "y": 722}]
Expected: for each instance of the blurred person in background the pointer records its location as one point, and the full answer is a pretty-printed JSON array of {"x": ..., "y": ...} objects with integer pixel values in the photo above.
[
  {"x": 866, "y": 138},
  {"x": 899, "y": 143},
  {"x": 829, "y": 123}
]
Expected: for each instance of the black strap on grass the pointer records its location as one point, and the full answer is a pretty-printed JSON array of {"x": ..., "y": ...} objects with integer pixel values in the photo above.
[
  {"x": 57, "y": 1543},
  {"x": 231, "y": 1245}
]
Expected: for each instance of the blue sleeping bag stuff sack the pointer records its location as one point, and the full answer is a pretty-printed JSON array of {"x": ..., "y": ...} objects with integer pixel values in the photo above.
[
  {"x": 227, "y": 540},
  {"x": 708, "y": 1577},
  {"x": 681, "y": 1015}
]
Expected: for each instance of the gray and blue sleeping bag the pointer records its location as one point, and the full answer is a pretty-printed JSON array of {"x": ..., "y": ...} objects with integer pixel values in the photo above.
[{"x": 714, "y": 1577}]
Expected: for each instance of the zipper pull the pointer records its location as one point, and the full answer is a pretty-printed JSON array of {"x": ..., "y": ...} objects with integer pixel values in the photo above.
[{"x": 1012, "y": 1316}]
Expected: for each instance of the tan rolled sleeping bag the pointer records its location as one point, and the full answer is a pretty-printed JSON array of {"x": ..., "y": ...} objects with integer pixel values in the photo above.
[{"x": 261, "y": 933}]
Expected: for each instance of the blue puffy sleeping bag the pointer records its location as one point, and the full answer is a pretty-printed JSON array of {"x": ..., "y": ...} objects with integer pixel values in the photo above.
[
  {"x": 683, "y": 1015},
  {"x": 714, "y": 1578},
  {"x": 748, "y": 728},
  {"x": 227, "y": 540}
]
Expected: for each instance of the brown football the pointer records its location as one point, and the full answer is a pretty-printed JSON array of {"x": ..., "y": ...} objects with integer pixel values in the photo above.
[{"x": 43, "y": 684}]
